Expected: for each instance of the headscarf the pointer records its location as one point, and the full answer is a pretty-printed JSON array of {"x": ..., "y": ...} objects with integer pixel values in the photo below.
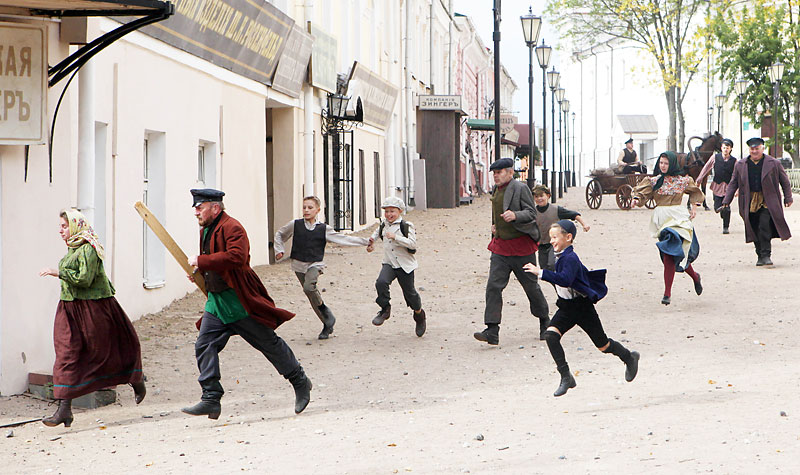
[
  {"x": 674, "y": 168},
  {"x": 80, "y": 232}
]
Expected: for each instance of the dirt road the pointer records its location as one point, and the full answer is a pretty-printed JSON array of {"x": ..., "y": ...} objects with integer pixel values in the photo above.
[{"x": 716, "y": 391}]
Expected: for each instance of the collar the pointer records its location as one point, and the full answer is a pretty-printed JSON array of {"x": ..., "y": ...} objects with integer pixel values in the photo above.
[
  {"x": 542, "y": 209},
  {"x": 568, "y": 250},
  {"x": 397, "y": 221},
  {"x": 500, "y": 187}
]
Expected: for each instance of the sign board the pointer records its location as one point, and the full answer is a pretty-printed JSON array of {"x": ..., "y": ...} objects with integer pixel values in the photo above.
[
  {"x": 377, "y": 95},
  {"x": 23, "y": 84},
  {"x": 293, "y": 64},
  {"x": 507, "y": 122},
  {"x": 322, "y": 70},
  {"x": 244, "y": 36},
  {"x": 439, "y": 103}
]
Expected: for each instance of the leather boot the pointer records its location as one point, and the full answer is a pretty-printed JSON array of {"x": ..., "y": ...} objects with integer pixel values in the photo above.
[
  {"x": 382, "y": 316},
  {"x": 302, "y": 389},
  {"x": 139, "y": 391},
  {"x": 567, "y": 382},
  {"x": 698, "y": 285},
  {"x": 328, "y": 320},
  {"x": 209, "y": 404},
  {"x": 419, "y": 318},
  {"x": 632, "y": 366},
  {"x": 543, "y": 324},
  {"x": 490, "y": 335},
  {"x": 62, "y": 415}
]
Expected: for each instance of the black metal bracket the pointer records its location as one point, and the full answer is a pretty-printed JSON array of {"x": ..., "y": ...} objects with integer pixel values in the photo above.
[{"x": 332, "y": 124}]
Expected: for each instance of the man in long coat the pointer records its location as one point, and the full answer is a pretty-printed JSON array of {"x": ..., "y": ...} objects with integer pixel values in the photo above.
[
  {"x": 759, "y": 179},
  {"x": 238, "y": 304}
]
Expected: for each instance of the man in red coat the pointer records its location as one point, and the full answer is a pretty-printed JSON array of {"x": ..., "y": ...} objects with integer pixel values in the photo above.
[
  {"x": 238, "y": 304},
  {"x": 759, "y": 179}
]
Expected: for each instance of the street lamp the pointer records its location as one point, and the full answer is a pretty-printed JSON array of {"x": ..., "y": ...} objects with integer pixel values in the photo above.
[
  {"x": 741, "y": 87},
  {"x": 560, "y": 97},
  {"x": 543, "y": 55},
  {"x": 574, "y": 183},
  {"x": 553, "y": 78},
  {"x": 775, "y": 75},
  {"x": 531, "y": 24},
  {"x": 719, "y": 100},
  {"x": 565, "y": 109},
  {"x": 335, "y": 122}
]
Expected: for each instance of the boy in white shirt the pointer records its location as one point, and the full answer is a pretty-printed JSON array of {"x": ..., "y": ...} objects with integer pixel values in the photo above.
[
  {"x": 309, "y": 237},
  {"x": 399, "y": 246}
]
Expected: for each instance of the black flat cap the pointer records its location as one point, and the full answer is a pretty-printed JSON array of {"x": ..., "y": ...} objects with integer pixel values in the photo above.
[
  {"x": 204, "y": 195},
  {"x": 502, "y": 163},
  {"x": 629, "y": 141},
  {"x": 728, "y": 142},
  {"x": 752, "y": 142}
]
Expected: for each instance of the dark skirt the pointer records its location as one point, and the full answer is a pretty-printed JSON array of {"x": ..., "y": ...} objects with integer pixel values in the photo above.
[
  {"x": 671, "y": 244},
  {"x": 96, "y": 347}
]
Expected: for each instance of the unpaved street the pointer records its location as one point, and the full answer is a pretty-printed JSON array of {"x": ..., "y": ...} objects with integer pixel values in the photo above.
[{"x": 717, "y": 388}]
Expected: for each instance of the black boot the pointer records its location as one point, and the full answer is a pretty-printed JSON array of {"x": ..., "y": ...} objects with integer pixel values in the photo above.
[
  {"x": 62, "y": 415},
  {"x": 419, "y": 318},
  {"x": 630, "y": 358},
  {"x": 209, "y": 404},
  {"x": 567, "y": 381},
  {"x": 698, "y": 285},
  {"x": 328, "y": 320},
  {"x": 302, "y": 389},
  {"x": 632, "y": 366},
  {"x": 543, "y": 324},
  {"x": 490, "y": 335},
  {"x": 382, "y": 316},
  {"x": 139, "y": 391}
]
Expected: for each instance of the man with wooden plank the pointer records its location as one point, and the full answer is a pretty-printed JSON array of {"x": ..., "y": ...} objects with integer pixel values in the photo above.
[{"x": 238, "y": 304}]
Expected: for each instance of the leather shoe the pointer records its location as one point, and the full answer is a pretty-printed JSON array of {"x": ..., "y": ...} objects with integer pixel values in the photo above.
[
  {"x": 632, "y": 366},
  {"x": 205, "y": 407},
  {"x": 328, "y": 320},
  {"x": 698, "y": 285},
  {"x": 139, "y": 391},
  {"x": 490, "y": 335},
  {"x": 382, "y": 316},
  {"x": 665, "y": 300},
  {"x": 567, "y": 382},
  {"x": 419, "y": 318},
  {"x": 302, "y": 394},
  {"x": 63, "y": 414},
  {"x": 766, "y": 261},
  {"x": 725, "y": 231}
]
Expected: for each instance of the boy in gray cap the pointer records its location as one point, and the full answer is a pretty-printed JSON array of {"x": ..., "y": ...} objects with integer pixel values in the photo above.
[{"x": 399, "y": 246}]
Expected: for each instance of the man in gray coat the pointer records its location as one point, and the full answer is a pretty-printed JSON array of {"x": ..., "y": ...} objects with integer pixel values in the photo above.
[
  {"x": 513, "y": 244},
  {"x": 759, "y": 179}
]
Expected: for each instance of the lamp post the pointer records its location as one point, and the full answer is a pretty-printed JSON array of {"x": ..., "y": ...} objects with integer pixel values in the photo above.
[
  {"x": 543, "y": 55},
  {"x": 565, "y": 109},
  {"x": 335, "y": 122},
  {"x": 741, "y": 87},
  {"x": 719, "y": 101},
  {"x": 560, "y": 98},
  {"x": 775, "y": 75},
  {"x": 573, "y": 150},
  {"x": 531, "y": 24},
  {"x": 553, "y": 78}
]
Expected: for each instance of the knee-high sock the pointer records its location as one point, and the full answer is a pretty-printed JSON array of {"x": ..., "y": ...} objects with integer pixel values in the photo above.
[
  {"x": 669, "y": 274},
  {"x": 556, "y": 350},
  {"x": 692, "y": 273},
  {"x": 616, "y": 348}
]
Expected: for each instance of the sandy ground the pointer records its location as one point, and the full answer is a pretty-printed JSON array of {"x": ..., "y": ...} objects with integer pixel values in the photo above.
[{"x": 716, "y": 391}]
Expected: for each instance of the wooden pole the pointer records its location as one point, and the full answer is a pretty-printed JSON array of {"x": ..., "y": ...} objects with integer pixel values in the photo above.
[{"x": 170, "y": 244}]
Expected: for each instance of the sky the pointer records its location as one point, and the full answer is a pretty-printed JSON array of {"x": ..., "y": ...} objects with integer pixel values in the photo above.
[{"x": 513, "y": 50}]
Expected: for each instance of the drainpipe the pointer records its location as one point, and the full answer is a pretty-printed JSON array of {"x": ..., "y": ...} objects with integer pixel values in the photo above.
[
  {"x": 450, "y": 49},
  {"x": 389, "y": 162},
  {"x": 86, "y": 141},
  {"x": 308, "y": 118},
  {"x": 611, "y": 118},
  {"x": 430, "y": 49},
  {"x": 411, "y": 149},
  {"x": 594, "y": 151}
]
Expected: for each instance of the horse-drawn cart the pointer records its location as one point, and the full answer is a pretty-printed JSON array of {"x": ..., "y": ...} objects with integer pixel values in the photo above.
[{"x": 619, "y": 185}]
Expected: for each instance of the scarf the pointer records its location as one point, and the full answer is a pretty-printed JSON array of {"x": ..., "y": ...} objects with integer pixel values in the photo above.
[
  {"x": 81, "y": 232},
  {"x": 673, "y": 170}
]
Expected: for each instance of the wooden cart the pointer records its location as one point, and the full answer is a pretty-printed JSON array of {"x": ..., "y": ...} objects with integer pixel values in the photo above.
[{"x": 619, "y": 185}]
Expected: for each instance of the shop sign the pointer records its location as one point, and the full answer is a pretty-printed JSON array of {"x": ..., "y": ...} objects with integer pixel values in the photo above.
[
  {"x": 293, "y": 65},
  {"x": 23, "y": 84},
  {"x": 440, "y": 103},
  {"x": 322, "y": 70},
  {"x": 377, "y": 95},
  {"x": 507, "y": 122}
]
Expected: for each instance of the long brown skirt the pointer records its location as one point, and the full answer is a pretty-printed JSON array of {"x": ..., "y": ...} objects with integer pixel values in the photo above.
[{"x": 96, "y": 347}]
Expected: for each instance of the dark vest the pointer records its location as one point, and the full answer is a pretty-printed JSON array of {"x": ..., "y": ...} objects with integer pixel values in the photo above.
[
  {"x": 723, "y": 170},
  {"x": 214, "y": 281},
  {"x": 545, "y": 219},
  {"x": 308, "y": 246},
  {"x": 630, "y": 155}
]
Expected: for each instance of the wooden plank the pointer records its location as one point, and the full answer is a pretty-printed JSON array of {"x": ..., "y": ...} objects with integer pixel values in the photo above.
[{"x": 170, "y": 244}]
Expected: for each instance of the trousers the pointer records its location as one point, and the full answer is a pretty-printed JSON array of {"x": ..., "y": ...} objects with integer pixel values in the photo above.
[
  {"x": 406, "y": 281},
  {"x": 309, "y": 283},
  {"x": 500, "y": 268},
  {"x": 763, "y": 227}
]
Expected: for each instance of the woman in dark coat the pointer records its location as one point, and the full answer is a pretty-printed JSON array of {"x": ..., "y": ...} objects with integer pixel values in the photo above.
[{"x": 95, "y": 342}]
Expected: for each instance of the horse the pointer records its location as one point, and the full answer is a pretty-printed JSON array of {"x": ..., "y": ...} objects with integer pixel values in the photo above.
[{"x": 692, "y": 163}]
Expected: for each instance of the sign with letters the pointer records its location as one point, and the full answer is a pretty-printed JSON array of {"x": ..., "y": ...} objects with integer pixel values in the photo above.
[
  {"x": 23, "y": 84},
  {"x": 507, "y": 122},
  {"x": 439, "y": 103},
  {"x": 377, "y": 95},
  {"x": 322, "y": 71},
  {"x": 294, "y": 63}
]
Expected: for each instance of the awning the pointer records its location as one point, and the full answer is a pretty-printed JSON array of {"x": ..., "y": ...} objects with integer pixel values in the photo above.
[
  {"x": 61, "y": 8},
  {"x": 481, "y": 124},
  {"x": 638, "y": 124}
]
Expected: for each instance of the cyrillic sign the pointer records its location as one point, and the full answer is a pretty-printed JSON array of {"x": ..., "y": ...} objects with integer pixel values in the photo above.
[
  {"x": 293, "y": 65},
  {"x": 440, "y": 103},
  {"x": 507, "y": 122},
  {"x": 322, "y": 71},
  {"x": 23, "y": 84},
  {"x": 377, "y": 95}
]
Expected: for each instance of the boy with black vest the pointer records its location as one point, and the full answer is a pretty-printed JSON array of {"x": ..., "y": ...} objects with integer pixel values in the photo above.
[
  {"x": 546, "y": 216},
  {"x": 399, "y": 246},
  {"x": 309, "y": 238}
]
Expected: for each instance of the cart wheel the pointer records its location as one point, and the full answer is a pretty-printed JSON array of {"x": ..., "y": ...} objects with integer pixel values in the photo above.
[
  {"x": 594, "y": 194},
  {"x": 624, "y": 196},
  {"x": 650, "y": 203}
]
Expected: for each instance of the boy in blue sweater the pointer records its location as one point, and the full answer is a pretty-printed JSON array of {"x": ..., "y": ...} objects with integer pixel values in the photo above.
[{"x": 578, "y": 290}]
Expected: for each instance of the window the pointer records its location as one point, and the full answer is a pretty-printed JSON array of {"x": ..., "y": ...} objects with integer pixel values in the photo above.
[
  {"x": 154, "y": 197},
  {"x": 377, "y": 191},
  {"x": 207, "y": 164},
  {"x": 362, "y": 190}
]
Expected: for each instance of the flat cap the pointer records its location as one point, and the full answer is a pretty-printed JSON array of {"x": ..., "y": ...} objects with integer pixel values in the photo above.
[
  {"x": 394, "y": 202},
  {"x": 203, "y": 195},
  {"x": 728, "y": 142},
  {"x": 568, "y": 227},
  {"x": 752, "y": 142},
  {"x": 502, "y": 163},
  {"x": 630, "y": 140}
]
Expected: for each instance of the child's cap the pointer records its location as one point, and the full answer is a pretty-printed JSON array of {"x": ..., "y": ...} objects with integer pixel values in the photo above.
[
  {"x": 539, "y": 189},
  {"x": 394, "y": 202},
  {"x": 568, "y": 226}
]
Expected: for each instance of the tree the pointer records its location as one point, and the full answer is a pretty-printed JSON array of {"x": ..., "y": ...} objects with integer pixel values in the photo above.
[
  {"x": 749, "y": 37},
  {"x": 664, "y": 28}
]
